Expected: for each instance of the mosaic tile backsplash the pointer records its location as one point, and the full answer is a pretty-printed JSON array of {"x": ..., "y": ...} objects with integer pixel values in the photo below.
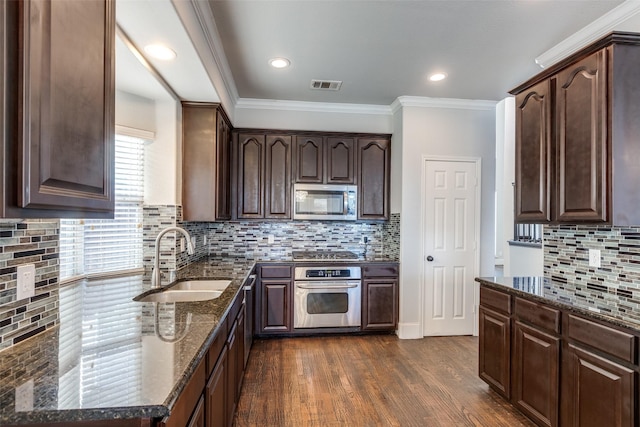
[
  {"x": 617, "y": 281},
  {"x": 37, "y": 242},
  {"x": 28, "y": 242}
]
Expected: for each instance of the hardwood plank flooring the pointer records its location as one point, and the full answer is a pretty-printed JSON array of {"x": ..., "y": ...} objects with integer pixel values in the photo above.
[{"x": 376, "y": 380}]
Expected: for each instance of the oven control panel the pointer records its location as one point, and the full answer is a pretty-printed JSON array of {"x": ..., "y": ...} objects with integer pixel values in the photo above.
[{"x": 319, "y": 273}]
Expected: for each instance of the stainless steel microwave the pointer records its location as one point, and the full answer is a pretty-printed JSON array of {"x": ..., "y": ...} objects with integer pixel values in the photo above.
[{"x": 325, "y": 202}]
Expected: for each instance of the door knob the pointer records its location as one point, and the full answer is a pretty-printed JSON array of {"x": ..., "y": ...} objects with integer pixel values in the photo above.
[{"x": 429, "y": 258}]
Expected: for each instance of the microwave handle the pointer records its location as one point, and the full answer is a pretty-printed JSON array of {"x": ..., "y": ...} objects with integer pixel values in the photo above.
[{"x": 345, "y": 208}]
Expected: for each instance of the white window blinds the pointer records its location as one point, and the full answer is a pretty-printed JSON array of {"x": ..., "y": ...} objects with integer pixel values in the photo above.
[{"x": 103, "y": 246}]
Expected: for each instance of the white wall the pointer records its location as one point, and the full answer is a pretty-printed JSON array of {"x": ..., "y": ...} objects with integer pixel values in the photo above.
[
  {"x": 433, "y": 131},
  {"x": 313, "y": 117},
  {"x": 163, "y": 156},
  {"x": 134, "y": 111},
  {"x": 525, "y": 261},
  {"x": 505, "y": 175}
]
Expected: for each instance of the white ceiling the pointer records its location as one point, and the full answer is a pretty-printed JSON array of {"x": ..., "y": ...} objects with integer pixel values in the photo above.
[{"x": 380, "y": 49}]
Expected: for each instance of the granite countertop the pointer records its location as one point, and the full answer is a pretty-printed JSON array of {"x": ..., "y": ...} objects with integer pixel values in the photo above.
[
  {"x": 112, "y": 357},
  {"x": 553, "y": 293}
]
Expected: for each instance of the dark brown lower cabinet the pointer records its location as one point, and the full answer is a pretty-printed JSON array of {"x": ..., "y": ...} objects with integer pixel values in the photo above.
[
  {"x": 536, "y": 379},
  {"x": 216, "y": 404},
  {"x": 602, "y": 392},
  {"x": 567, "y": 369},
  {"x": 494, "y": 351},
  {"x": 197, "y": 418},
  {"x": 275, "y": 306},
  {"x": 380, "y": 304}
]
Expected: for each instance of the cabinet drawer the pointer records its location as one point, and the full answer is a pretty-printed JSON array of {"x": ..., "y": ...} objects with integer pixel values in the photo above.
[
  {"x": 215, "y": 349},
  {"x": 537, "y": 314},
  {"x": 611, "y": 341},
  {"x": 495, "y": 299},
  {"x": 380, "y": 270},
  {"x": 275, "y": 271}
]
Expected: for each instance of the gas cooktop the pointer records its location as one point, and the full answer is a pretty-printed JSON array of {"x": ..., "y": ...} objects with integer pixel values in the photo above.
[{"x": 324, "y": 256}]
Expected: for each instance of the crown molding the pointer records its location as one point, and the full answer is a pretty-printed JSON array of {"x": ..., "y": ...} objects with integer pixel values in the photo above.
[
  {"x": 589, "y": 34},
  {"x": 424, "y": 102},
  {"x": 316, "y": 107},
  {"x": 197, "y": 19}
]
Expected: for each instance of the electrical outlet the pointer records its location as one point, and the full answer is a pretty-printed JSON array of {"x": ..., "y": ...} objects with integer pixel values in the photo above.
[
  {"x": 204, "y": 240},
  {"x": 594, "y": 258},
  {"x": 26, "y": 281},
  {"x": 24, "y": 397},
  {"x": 270, "y": 239}
]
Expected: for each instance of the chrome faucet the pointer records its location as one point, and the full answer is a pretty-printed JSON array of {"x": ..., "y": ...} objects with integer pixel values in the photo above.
[{"x": 155, "y": 275}]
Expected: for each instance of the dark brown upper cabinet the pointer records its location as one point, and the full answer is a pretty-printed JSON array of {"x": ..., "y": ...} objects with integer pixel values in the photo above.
[
  {"x": 324, "y": 160},
  {"x": 263, "y": 176},
  {"x": 309, "y": 159},
  {"x": 57, "y": 114},
  {"x": 533, "y": 154},
  {"x": 340, "y": 160},
  {"x": 576, "y": 137},
  {"x": 374, "y": 162},
  {"x": 250, "y": 175},
  {"x": 278, "y": 177},
  {"x": 206, "y": 162}
]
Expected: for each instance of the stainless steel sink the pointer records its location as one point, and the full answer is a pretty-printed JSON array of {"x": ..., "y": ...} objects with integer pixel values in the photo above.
[
  {"x": 201, "y": 285},
  {"x": 178, "y": 295}
]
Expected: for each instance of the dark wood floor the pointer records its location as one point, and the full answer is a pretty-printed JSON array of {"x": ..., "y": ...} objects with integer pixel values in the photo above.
[{"x": 369, "y": 381}]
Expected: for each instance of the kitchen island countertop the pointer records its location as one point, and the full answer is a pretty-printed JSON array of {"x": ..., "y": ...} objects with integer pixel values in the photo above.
[
  {"x": 563, "y": 295},
  {"x": 111, "y": 357}
]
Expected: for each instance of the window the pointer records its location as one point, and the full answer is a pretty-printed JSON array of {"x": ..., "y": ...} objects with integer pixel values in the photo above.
[
  {"x": 93, "y": 246},
  {"x": 530, "y": 233}
]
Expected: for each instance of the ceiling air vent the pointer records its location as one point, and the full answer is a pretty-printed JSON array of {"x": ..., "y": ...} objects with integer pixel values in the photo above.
[{"x": 326, "y": 84}]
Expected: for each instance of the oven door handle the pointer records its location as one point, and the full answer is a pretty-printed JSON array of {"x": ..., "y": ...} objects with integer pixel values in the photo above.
[{"x": 327, "y": 287}]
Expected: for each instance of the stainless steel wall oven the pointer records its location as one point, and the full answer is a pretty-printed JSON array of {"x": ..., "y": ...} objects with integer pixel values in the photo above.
[{"x": 327, "y": 297}]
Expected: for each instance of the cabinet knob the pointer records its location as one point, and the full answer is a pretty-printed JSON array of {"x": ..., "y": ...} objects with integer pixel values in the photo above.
[{"x": 429, "y": 258}]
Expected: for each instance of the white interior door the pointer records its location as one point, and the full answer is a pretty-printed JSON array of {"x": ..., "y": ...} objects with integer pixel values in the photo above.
[{"x": 449, "y": 242}]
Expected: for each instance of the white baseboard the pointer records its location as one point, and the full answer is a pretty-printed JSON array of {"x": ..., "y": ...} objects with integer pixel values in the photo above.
[{"x": 409, "y": 331}]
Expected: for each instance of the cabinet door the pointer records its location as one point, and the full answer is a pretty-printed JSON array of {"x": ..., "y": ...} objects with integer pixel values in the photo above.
[
  {"x": 340, "y": 158},
  {"x": 494, "y": 351},
  {"x": 599, "y": 392},
  {"x": 278, "y": 177},
  {"x": 251, "y": 163},
  {"x": 380, "y": 304},
  {"x": 309, "y": 159},
  {"x": 536, "y": 378},
  {"x": 223, "y": 163},
  {"x": 197, "y": 418},
  {"x": 216, "y": 404},
  {"x": 275, "y": 306},
  {"x": 374, "y": 161},
  {"x": 66, "y": 106},
  {"x": 581, "y": 97},
  {"x": 533, "y": 154}
]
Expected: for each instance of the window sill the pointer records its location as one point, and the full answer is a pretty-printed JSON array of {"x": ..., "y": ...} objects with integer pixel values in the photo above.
[{"x": 525, "y": 244}]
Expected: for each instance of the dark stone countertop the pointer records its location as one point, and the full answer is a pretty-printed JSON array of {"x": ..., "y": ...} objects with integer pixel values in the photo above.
[
  {"x": 550, "y": 292},
  {"x": 112, "y": 357}
]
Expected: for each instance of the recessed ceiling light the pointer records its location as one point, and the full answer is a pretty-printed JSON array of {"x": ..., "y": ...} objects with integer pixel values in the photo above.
[
  {"x": 279, "y": 62},
  {"x": 160, "y": 51},
  {"x": 437, "y": 77}
]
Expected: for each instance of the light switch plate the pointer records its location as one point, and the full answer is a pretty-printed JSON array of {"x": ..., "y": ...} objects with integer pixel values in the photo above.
[
  {"x": 26, "y": 281},
  {"x": 594, "y": 258}
]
